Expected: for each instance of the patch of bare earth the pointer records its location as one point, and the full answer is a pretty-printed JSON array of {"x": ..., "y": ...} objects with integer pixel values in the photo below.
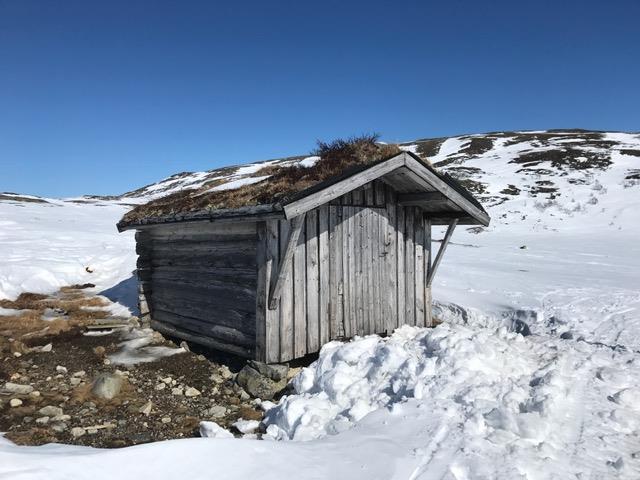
[{"x": 55, "y": 347}]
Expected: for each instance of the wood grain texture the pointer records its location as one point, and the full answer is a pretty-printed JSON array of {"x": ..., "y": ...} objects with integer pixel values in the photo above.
[
  {"x": 324, "y": 251},
  {"x": 300, "y": 298},
  {"x": 313, "y": 282},
  {"x": 286, "y": 310}
]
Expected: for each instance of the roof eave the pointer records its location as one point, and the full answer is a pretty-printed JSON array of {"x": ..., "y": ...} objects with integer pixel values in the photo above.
[{"x": 252, "y": 213}]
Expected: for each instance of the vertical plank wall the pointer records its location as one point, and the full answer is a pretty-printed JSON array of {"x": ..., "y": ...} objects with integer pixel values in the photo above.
[{"x": 359, "y": 267}]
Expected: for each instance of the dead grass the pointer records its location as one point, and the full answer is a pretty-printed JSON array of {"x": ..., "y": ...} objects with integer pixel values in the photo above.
[
  {"x": 336, "y": 158},
  {"x": 70, "y": 309}
]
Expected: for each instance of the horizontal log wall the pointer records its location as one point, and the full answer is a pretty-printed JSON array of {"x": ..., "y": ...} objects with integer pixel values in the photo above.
[
  {"x": 359, "y": 267},
  {"x": 199, "y": 282}
]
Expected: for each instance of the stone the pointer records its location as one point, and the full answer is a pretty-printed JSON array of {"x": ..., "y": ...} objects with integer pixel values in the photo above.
[
  {"x": 61, "y": 369},
  {"x": 166, "y": 380},
  {"x": 225, "y": 372},
  {"x": 42, "y": 420},
  {"x": 275, "y": 372},
  {"x": 79, "y": 374},
  {"x": 176, "y": 391},
  {"x": 47, "y": 348},
  {"x": 160, "y": 386},
  {"x": 217, "y": 411},
  {"x": 166, "y": 420},
  {"x": 61, "y": 418},
  {"x": 99, "y": 351},
  {"x": 75, "y": 381},
  {"x": 244, "y": 396},
  {"x": 258, "y": 385},
  {"x": 192, "y": 392},
  {"x": 92, "y": 431},
  {"x": 106, "y": 386},
  {"x": 146, "y": 408},
  {"x": 35, "y": 394},
  {"x": 50, "y": 411},
  {"x": 293, "y": 372},
  {"x": 59, "y": 427},
  {"x": 18, "y": 389},
  {"x": 15, "y": 402},
  {"x": 77, "y": 432}
]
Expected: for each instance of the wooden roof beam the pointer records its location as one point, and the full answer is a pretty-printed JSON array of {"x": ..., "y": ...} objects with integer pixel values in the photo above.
[{"x": 417, "y": 199}]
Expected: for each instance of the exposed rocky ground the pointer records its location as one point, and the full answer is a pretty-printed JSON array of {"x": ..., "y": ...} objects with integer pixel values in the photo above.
[{"x": 73, "y": 372}]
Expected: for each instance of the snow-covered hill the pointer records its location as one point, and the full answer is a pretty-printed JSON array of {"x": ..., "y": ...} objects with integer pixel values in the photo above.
[{"x": 469, "y": 399}]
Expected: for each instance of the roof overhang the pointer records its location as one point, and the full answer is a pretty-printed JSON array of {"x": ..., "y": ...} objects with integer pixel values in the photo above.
[{"x": 417, "y": 184}]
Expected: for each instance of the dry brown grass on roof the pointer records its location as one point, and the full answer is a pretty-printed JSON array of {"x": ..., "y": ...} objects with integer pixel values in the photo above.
[{"x": 336, "y": 158}]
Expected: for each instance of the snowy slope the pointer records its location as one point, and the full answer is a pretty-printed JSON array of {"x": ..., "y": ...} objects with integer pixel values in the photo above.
[
  {"x": 50, "y": 243},
  {"x": 468, "y": 399}
]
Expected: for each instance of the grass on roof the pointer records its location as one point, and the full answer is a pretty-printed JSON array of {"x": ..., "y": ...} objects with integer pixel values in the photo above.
[{"x": 336, "y": 158}]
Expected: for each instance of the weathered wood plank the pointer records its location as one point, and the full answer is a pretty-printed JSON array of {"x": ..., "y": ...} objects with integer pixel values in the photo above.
[
  {"x": 417, "y": 199},
  {"x": 325, "y": 272},
  {"x": 225, "y": 316},
  {"x": 391, "y": 262},
  {"x": 350, "y": 257},
  {"x": 285, "y": 309},
  {"x": 188, "y": 230},
  {"x": 427, "y": 267},
  {"x": 409, "y": 267},
  {"x": 313, "y": 282},
  {"x": 300, "y": 297},
  {"x": 420, "y": 278},
  {"x": 264, "y": 273},
  {"x": 272, "y": 317},
  {"x": 335, "y": 273},
  {"x": 379, "y": 256},
  {"x": 169, "y": 329},
  {"x": 359, "y": 280},
  {"x": 297, "y": 225},
  {"x": 368, "y": 298},
  {"x": 221, "y": 333},
  {"x": 400, "y": 262}
]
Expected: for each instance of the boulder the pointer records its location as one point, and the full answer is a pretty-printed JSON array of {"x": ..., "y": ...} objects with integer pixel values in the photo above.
[
  {"x": 259, "y": 385},
  {"x": 275, "y": 372},
  {"x": 106, "y": 386}
]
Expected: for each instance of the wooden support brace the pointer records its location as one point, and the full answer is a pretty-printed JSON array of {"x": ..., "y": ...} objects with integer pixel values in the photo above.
[
  {"x": 443, "y": 247},
  {"x": 285, "y": 261}
]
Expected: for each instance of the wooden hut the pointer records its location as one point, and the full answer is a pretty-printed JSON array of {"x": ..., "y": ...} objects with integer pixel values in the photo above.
[{"x": 347, "y": 255}]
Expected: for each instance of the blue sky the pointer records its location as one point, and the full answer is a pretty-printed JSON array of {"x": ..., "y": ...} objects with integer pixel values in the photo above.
[{"x": 100, "y": 97}]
